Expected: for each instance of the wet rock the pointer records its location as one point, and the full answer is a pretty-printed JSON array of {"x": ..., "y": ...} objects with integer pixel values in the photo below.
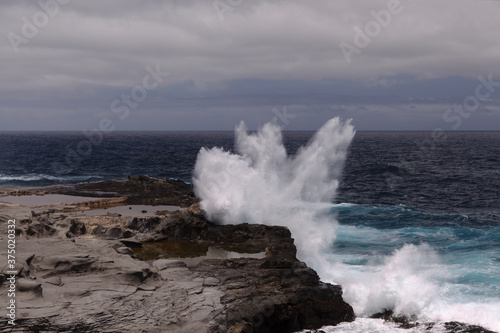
[
  {"x": 407, "y": 322},
  {"x": 457, "y": 327}
]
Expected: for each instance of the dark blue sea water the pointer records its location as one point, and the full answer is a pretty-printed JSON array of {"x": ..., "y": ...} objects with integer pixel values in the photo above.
[{"x": 418, "y": 221}]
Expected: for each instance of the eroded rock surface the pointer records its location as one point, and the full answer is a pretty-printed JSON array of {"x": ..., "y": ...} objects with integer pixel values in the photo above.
[{"x": 81, "y": 275}]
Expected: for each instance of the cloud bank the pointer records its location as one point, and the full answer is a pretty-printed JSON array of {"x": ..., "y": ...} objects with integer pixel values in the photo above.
[{"x": 64, "y": 62}]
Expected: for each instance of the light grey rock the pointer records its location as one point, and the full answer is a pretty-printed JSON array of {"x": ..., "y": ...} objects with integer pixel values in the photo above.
[
  {"x": 87, "y": 286},
  {"x": 54, "y": 280},
  {"x": 162, "y": 264},
  {"x": 146, "y": 287},
  {"x": 125, "y": 250},
  {"x": 28, "y": 285},
  {"x": 211, "y": 281}
]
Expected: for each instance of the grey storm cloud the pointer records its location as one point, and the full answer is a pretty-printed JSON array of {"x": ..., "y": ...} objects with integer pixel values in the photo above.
[{"x": 64, "y": 62}]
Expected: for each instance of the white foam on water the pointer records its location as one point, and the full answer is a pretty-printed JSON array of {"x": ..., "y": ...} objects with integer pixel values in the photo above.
[
  {"x": 413, "y": 281},
  {"x": 36, "y": 177},
  {"x": 260, "y": 183},
  {"x": 364, "y": 325}
]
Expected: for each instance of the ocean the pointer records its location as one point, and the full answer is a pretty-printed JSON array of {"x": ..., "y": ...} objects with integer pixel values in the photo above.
[{"x": 412, "y": 224}]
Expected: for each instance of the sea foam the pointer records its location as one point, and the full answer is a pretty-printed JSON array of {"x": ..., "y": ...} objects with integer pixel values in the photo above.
[{"x": 260, "y": 183}]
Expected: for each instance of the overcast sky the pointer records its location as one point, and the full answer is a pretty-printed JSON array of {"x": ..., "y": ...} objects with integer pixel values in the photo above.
[{"x": 206, "y": 65}]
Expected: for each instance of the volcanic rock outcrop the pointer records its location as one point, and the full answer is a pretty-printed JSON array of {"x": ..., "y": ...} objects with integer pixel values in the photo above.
[{"x": 77, "y": 276}]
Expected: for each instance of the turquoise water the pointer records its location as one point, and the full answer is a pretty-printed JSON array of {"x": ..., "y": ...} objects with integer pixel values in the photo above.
[{"x": 435, "y": 265}]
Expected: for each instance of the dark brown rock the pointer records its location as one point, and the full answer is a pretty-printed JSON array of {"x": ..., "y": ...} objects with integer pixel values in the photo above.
[
  {"x": 77, "y": 228},
  {"x": 142, "y": 190},
  {"x": 274, "y": 294}
]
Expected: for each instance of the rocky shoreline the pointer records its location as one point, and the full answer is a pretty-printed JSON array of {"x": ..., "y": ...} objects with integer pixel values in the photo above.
[{"x": 79, "y": 273}]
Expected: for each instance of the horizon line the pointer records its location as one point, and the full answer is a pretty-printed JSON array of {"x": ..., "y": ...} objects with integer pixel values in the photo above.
[{"x": 215, "y": 131}]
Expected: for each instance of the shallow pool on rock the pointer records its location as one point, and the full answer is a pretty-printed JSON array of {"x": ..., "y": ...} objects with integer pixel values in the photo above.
[
  {"x": 190, "y": 252},
  {"x": 46, "y": 199},
  {"x": 132, "y": 210}
]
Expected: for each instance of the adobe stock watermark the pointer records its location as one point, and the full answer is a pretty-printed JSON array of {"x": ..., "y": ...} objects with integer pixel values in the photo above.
[
  {"x": 363, "y": 37},
  {"x": 284, "y": 117},
  {"x": 225, "y": 6},
  {"x": 11, "y": 272},
  {"x": 454, "y": 117},
  {"x": 31, "y": 27},
  {"x": 471, "y": 103},
  {"x": 121, "y": 107}
]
